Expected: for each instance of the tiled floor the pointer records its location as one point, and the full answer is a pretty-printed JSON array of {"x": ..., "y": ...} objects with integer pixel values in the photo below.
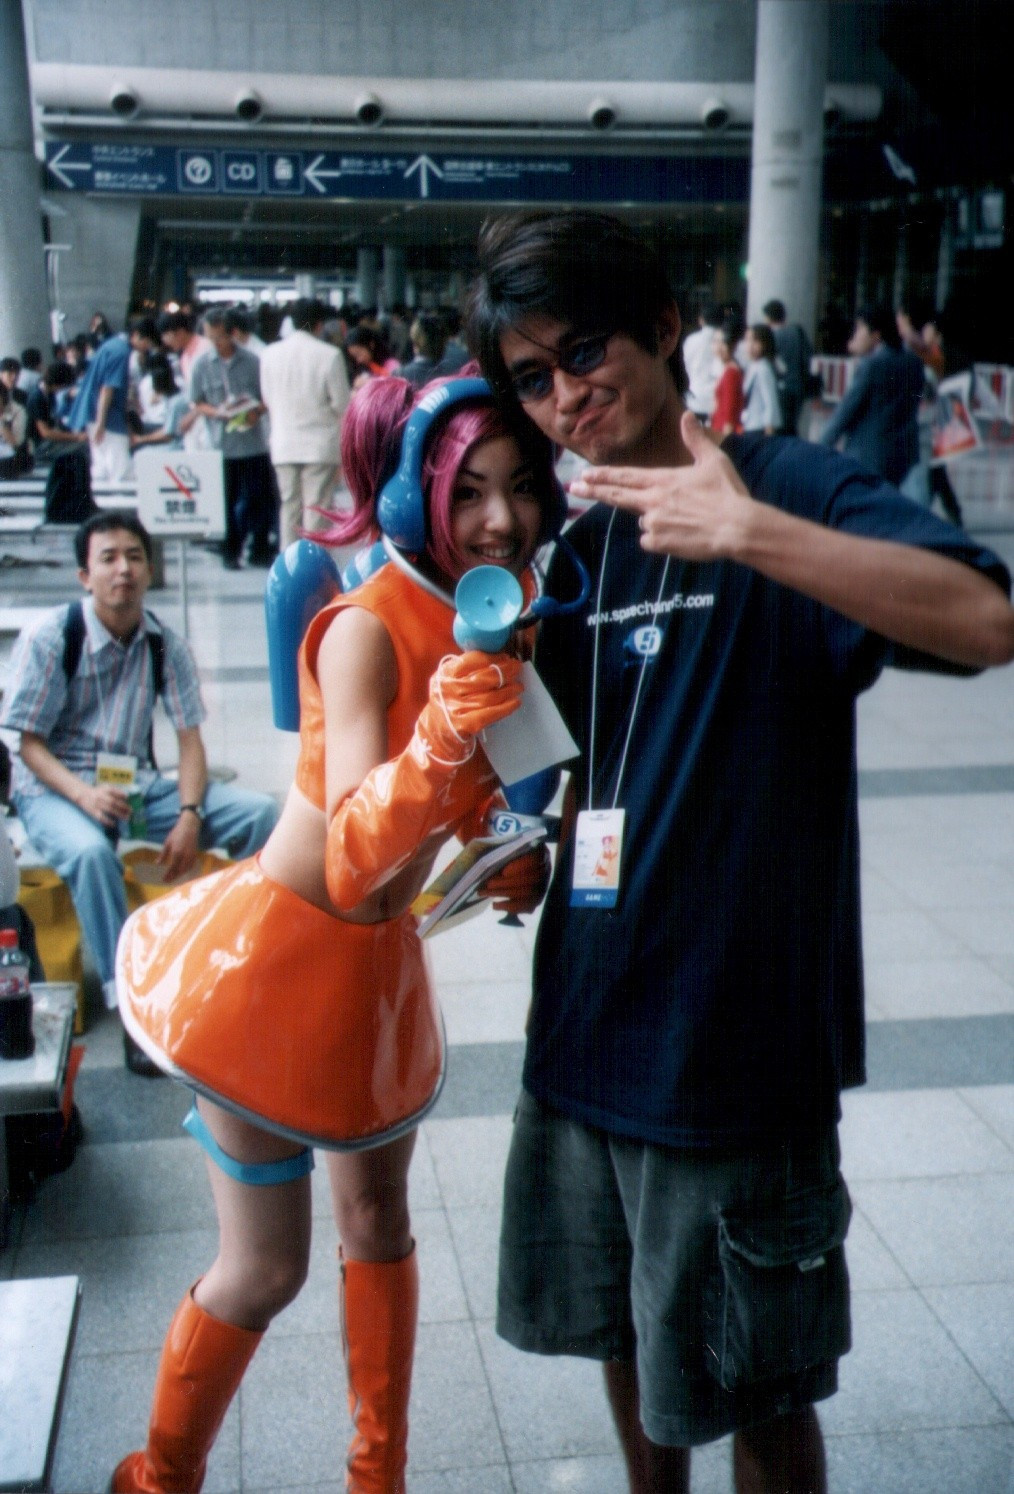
[{"x": 927, "y": 1394}]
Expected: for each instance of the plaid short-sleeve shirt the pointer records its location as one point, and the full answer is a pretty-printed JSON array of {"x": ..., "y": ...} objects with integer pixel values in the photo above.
[{"x": 108, "y": 704}]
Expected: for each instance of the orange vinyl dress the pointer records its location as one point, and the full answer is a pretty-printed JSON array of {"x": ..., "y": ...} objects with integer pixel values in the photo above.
[{"x": 319, "y": 1029}]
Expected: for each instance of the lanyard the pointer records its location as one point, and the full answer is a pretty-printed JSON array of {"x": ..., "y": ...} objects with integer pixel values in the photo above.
[{"x": 595, "y": 672}]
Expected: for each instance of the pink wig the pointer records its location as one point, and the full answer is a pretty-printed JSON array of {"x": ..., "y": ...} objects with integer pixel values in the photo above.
[{"x": 371, "y": 441}]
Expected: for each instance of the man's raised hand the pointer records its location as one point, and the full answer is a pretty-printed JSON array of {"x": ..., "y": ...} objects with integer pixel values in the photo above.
[{"x": 696, "y": 511}]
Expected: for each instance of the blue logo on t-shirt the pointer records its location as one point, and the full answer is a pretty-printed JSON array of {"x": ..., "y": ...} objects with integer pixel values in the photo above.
[{"x": 644, "y": 642}]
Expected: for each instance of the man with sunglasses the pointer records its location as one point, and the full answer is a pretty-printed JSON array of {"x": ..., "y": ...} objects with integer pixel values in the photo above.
[{"x": 673, "y": 1203}]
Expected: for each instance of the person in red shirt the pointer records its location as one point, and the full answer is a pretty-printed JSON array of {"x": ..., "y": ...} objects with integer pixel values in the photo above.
[{"x": 728, "y": 411}]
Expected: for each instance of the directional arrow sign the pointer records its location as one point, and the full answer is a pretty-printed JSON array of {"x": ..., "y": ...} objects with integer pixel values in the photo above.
[
  {"x": 423, "y": 165},
  {"x": 59, "y": 166},
  {"x": 128, "y": 168},
  {"x": 315, "y": 174}
]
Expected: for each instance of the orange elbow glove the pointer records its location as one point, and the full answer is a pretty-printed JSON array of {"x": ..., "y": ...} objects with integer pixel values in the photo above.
[
  {"x": 400, "y": 804},
  {"x": 476, "y": 820}
]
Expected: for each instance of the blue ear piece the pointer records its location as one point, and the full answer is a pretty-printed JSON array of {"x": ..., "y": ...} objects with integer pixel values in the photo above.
[
  {"x": 489, "y": 602},
  {"x": 401, "y": 512}
]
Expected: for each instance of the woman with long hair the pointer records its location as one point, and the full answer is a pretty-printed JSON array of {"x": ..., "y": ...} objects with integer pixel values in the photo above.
[
  {"x": 389, "y": 768},
  {"x": 762, "y": 410},
  {"x": 727, "y": 414}
]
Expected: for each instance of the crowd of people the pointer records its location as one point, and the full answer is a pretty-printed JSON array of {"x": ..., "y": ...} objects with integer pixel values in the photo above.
[
  {"x": 106, "y": 395},
  {"x": 673, "y": 1206},
  {"x": 190, "y": 378}
]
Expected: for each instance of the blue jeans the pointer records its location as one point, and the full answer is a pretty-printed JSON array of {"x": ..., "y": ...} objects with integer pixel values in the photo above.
[{"x": 80, "y": 851}]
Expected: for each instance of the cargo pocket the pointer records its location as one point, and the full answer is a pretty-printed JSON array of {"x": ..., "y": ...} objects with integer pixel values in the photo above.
[{"x": 777, "y": 1301}]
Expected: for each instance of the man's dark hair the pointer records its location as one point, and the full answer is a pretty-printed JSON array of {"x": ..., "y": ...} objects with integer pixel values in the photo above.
[
  {"x": 216, "y": 317},
  {"x": 774, "y": 311},
  {"x": 175, "y": 321},
  {"x": 237, "y": 320},
  {"x": 765, "y": 337},
  {"x": 162, "y": 375},
  {"x": 307, "y": 313},
  {"x": 146, "y": 327},
  {"x": 9, "y": 365},
  {"x": 103, "y": 523},
  {"x": 587, "y": 270},
  {"x": 731, "y": 331},
  {"x": 709, "y": 312},
  {"x": 31, "y": 358},
  {"x": 368, "y": 338},
  {"x": 60, "y": 375},
  {"x": 881, "y": 319}
]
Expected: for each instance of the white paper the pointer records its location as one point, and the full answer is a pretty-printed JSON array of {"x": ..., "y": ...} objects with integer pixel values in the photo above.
[{"x": 533, "y": 738}]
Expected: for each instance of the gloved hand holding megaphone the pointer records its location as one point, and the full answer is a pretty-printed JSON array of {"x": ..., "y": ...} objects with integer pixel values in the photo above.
[{"x": 489, "y": 602}]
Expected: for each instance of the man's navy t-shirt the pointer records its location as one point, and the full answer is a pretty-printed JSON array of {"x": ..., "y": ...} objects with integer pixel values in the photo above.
[{"x": 721, "y": 1000}]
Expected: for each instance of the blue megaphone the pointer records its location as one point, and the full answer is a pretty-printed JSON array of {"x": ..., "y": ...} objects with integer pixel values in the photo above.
[
  {"x": 489, "y": 602},
  {"x": 302, "y": 580},
  {"x": 531, "y": 795}
]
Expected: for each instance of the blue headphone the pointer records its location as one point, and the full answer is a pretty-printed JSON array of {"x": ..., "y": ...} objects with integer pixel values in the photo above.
[{"x": 401, "y": 509}]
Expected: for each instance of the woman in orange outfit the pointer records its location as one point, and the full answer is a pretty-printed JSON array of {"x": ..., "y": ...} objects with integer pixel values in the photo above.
[{"x": 389, "y": 768}]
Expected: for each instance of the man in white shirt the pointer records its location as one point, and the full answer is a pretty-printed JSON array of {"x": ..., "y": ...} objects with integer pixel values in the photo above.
[
  {"x": 703, "y": 368},
  {"x": 306, "y": 389}
]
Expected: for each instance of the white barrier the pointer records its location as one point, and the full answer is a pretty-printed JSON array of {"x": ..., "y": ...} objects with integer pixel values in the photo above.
[
  {"x": 993, "y": 391},
  {"x": 835, "y": 375}
]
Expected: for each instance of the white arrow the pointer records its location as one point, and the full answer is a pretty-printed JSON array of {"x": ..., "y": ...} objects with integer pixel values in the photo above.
[
  {"x": 58, "y": 166},
  {"x": 313, "y": 173},
  {"x": 423, "y": 164}
]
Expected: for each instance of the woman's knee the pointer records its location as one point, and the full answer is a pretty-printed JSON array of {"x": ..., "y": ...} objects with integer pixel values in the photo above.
[
  {"x": 370, "y": 1193},
  {"x": 253, "y": 1286},
  {"x": 374, "y": 1223}
]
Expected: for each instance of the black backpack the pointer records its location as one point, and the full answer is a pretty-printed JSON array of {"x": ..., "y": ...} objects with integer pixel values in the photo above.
[{"x": 73, "y": 643}]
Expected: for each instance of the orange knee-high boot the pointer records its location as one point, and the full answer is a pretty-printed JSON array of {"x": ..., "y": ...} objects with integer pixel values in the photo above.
[
  {"x": 380, "y": 1303},
  {"x": 203, "y": 1362}
]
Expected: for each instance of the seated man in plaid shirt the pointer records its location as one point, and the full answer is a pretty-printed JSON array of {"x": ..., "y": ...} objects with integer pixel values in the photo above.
[{"x": 83, "y": 685}]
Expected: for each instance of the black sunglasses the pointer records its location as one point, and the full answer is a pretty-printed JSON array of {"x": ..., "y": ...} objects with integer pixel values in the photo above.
[{"x": 581, "y": 356}]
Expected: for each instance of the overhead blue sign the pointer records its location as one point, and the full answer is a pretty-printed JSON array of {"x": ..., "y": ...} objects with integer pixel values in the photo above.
[{"x": 122, "y": 170}]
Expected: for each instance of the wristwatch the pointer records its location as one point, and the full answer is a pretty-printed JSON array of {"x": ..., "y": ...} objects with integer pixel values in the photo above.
[{"x": 194, "y": 809}]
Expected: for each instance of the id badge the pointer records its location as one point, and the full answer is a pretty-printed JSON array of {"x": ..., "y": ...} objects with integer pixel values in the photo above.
[
  {"x": 117, "y": 768},
  {"x": 598, "y": 843}
]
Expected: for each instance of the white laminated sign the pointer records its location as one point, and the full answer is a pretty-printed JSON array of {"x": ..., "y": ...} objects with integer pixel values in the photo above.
[{"x": 180, "y": 494}]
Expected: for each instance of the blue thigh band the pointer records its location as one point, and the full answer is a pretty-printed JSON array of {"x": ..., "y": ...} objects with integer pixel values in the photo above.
[{"x": 258, "y": 1174}]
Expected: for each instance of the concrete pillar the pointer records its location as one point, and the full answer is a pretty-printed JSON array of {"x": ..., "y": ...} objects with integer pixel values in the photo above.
[
  {"x": 367, "y": 270},
  {"x": 24, "y": 301},
  {"x": 394, "y": 275},
  {"x": 306, "y": 287},
  {"x": 97, "y": 269},
  {"x": 788, "y": 139}
]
